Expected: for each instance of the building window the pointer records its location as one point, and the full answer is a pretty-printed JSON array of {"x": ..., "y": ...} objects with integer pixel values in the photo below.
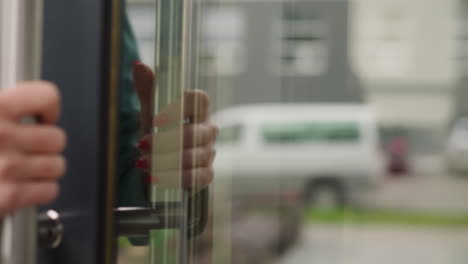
[
  {"x": 222, "y": 51},
  {"x": 300, "y": 45}
]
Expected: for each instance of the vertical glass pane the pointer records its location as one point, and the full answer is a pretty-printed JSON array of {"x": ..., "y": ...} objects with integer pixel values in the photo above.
[{"x": 342, "y": 132}]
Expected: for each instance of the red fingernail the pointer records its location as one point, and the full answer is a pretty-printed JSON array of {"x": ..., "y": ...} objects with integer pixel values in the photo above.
[
  {"x": 142, "y": 163},
  {"x": 137, "y": 63},
  {"x": 143, "y": 145}
]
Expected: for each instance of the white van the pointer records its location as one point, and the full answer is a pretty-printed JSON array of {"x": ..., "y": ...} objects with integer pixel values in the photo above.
[{"x": 323, "y": 153}]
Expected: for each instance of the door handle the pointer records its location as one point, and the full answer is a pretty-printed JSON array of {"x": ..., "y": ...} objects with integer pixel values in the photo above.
[
  {"x": 136, "y": 222},
  {"x": 20, "y": 53}
]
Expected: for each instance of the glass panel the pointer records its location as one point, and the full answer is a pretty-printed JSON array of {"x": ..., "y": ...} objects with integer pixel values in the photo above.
[{"x": 342, "y": 132}]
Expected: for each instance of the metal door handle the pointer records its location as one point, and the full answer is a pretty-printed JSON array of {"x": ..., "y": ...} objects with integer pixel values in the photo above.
[
  {"x": 20, "y": 53},
  {"x": 138, "y": 221}
]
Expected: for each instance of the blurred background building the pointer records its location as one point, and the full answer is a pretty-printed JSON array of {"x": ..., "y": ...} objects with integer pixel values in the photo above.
[
  {"x": 270, "y": 51},
  {"x": 408, "y": 62},
  {"x": 406, "y": 57}
]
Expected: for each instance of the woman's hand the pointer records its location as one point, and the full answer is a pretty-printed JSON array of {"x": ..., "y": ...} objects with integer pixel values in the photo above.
[
  {"x": 30, "y": 159},
  {"x": 189, "y": 151}
]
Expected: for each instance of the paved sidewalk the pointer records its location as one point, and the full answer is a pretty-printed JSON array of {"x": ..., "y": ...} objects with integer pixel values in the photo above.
[
  {"x": 334, "y": 244},
  {"x": 434, "y": 193}
]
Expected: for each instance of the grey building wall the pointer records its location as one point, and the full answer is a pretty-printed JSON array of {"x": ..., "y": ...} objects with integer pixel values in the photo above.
[
  {"x": 258, "y": 83},
  {"x": 257, "y": 80}
]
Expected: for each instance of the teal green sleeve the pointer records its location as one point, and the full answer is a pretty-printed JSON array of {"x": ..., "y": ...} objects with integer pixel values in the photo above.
[{"x": 130, "y": 182}]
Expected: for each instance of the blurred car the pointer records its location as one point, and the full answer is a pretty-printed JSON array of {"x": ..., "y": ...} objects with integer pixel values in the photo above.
[
  {"x": 456, "y": 156},
  {"x": 322, "y": 154}
]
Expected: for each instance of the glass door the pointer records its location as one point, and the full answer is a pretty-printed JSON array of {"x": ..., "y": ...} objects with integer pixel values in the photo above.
[
  {"x": 173, "y": 166},
  {"x": 291, "y": 132}
]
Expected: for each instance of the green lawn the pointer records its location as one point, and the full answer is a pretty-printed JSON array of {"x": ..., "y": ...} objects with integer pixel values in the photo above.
[{"x": 387, "y": 217}]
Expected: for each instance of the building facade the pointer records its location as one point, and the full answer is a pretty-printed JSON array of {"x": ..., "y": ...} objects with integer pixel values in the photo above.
[{"x": 405, "y": 55}]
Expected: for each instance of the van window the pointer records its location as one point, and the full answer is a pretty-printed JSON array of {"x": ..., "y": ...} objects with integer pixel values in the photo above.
[
  {"x": 300, "y": 132},
  {"x": 229, "y": 134}
]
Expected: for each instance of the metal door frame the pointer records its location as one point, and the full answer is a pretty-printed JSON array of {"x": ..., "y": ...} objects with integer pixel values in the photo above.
[{"x": 20, "y": 53}]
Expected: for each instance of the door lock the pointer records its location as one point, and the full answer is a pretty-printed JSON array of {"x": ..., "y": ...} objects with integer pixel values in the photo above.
[{"x": 50, "y": 229}]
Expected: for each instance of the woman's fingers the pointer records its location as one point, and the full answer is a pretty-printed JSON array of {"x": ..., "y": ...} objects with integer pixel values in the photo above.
[
  {"x": 17, "y": 168},
  {"x": 37, "y": 99},
  {"x": 190, "y": 158},
  {"x": 194, "y": 106},
  {"x": 193, "y": 169},
  {"x": 18, "y": 195},
  {"x": 199, "y": 134},
  {"x": 198, "y": 157},
  {"x": 28, "y": 180},
  {"x": 181, "y": 154},
  {"x": 195, "y": 178},
  {"x": 30, "y": 163},
  {"x": 31, "y": 139},
  {"x": 193, "y": 135}
]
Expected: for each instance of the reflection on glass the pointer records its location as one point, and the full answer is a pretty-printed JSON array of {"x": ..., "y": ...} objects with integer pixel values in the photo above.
[
  {"x": 342, "y": 131},
  {"x": 223, "y": 31}
]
